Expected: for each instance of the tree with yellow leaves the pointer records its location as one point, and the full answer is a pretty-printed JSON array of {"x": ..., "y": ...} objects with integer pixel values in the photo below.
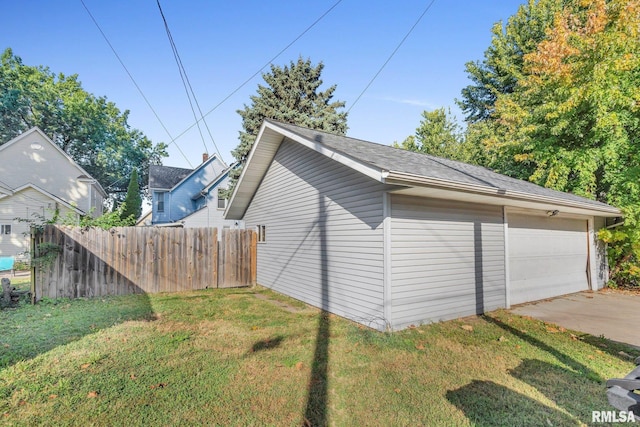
[{"x": 572, "y": 120}]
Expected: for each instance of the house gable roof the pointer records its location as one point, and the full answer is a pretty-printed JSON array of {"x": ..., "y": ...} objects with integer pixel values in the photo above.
[
  {"x": 82, "y": 173},
  {"x": 395, "y": 166},
  {"x": 45, "y": 193},
  {"x": 165, "y": 177},
  {"x": 168, "y": 177}
]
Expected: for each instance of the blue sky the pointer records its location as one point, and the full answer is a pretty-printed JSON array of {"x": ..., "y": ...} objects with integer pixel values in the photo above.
[{"x": 223, "y": 43}]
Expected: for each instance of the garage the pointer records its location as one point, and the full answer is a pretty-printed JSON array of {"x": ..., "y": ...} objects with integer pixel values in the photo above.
[
  {"x": 391, "y": 238},
  {"x": 548, "y": 256}
]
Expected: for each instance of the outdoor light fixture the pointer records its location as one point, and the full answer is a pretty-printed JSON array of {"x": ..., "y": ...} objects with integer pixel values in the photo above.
[{"x": 553, "y": 213}]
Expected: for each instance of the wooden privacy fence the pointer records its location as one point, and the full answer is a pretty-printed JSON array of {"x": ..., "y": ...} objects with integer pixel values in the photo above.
[{"x": 87, "y": 262}]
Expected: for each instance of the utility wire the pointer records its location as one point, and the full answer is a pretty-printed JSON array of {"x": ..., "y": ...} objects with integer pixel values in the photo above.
[
  {"x": 261, "y": 68},
  {"x": 134, "y": 82},
  {"x": 185, "y": 79},
  {"x": 392, "y": 54}
]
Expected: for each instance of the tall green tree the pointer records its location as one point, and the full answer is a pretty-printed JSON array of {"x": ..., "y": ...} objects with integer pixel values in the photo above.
[
  {"x": 292, "y": 94},
  {"x": 502, "y": 67},
  {"x": 574, "y": 116},
  {"x": 440, "y": 135},
  {"x": 132, "y": 205},
  {"x": 92, "y": 130}
]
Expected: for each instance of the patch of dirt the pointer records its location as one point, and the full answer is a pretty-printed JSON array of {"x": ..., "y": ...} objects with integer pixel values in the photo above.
[{"x": 282, "y": 305}]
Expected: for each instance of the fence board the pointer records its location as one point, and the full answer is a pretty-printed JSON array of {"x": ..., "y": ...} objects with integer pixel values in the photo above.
[{"x": 124, "y": 260}]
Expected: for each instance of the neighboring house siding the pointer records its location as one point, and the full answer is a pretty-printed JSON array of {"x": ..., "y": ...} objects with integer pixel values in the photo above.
[
  {"x": 97, "y": 202},
  {"x": 447, "y": 259},
  {"x": 27, "y": 204},
  {"x": 160, "y": 216},
  {"x": 324, "y": 234},
  {"x": 179, "y": 201},
  {"x": 209, "y": 215},
  {"x": 46, "y": 168}
]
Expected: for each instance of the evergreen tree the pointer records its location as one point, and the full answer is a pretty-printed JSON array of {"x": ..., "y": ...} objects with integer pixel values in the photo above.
[
  {"x": 440, "y": 135},
  {"x": 292, "y": 95},
  {"x": 132, "y": 205}
]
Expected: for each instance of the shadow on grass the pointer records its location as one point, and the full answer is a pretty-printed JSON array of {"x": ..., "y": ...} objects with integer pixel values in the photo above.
[
  {"x": 316, "y": 410},
  {"x": 569, "y": 390},
  {"x": 486, "y": 403},
  {"x": 560, "y": 356},
  {"x": 30, "y": 330},
  {"x": 619, "y": 350},
  {"x": 267, "y": 343}
]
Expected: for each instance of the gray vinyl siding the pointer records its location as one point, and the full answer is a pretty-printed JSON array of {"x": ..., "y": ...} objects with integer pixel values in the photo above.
[
  {"x": 324, "y": 234},
  {"x": 447, "y": 259}
]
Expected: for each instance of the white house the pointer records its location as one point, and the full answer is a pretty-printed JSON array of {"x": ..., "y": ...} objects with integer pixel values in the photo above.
[{"x": 38, "y": 179}]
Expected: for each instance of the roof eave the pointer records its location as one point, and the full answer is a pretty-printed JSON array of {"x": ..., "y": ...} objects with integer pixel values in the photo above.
[
  {"x": 405, "y": 179},
  {"x": 240, "y": 198},
  {"x": 50, "y": 195}
]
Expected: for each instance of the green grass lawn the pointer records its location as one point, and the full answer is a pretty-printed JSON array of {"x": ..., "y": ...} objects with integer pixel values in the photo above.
[{"x": 226, "y": 357}]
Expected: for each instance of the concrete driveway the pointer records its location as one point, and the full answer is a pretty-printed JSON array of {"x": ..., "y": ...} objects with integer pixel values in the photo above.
[{"x": 615, "y": 315}]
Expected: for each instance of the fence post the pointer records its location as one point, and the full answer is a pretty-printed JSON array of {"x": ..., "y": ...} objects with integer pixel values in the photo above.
[
  {"x": 253, "y": 255},
  {"x": 33, "y": 255},
  {"x": 216, "y": 258}
]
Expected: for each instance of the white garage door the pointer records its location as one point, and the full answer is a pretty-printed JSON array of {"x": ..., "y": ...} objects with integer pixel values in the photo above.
[{"x": 547, "y": 257}]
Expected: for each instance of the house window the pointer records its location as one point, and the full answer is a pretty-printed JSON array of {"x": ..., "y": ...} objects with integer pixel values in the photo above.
[
  {"x": 5, "y": 229},
  {"x": 160, "y": 198},
  {"x": 262, "y": 233},
  {"x": 222, "y": 200},
  {"x": 222, "y": 203}
]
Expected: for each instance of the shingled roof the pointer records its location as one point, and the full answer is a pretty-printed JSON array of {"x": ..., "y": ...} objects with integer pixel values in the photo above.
[
  {"x": 389, "y": 158},
  {"x": 398, "y": 167},
  {"x": 165, "y": 177}
]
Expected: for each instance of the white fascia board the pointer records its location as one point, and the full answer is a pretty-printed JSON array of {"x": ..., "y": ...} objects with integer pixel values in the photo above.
[
  {"x": 241, "y": 197},
  {"x": 505, "y": 197}
]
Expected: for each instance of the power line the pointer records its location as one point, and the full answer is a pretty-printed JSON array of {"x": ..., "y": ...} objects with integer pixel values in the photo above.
[
  {"x": 134, "y": 81},
  {"x": 183, "y": 74},
  {"x": 261, "y": 68},
  {"x": 392, "y": 54}
]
